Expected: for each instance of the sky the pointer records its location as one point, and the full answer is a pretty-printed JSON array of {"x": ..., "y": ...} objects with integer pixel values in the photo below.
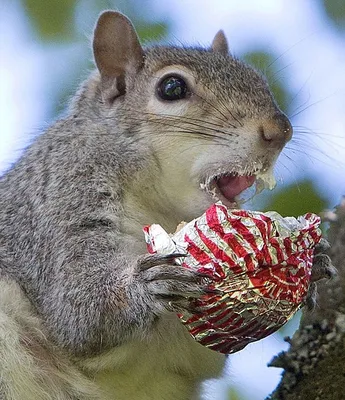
[{"x": 310, "y": 49}]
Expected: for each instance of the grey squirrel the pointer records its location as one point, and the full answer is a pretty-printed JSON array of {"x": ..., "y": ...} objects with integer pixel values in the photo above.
[{"x": 150, "y": 137}]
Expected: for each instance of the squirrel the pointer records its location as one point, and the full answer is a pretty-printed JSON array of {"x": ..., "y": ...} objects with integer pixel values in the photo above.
[{"x": 151, "y": 137}]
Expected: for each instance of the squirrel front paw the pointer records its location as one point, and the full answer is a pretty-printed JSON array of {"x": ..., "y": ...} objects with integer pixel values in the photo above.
[
  {"x": 322, "y": 268},
  {"x": 172, "y": 286}
]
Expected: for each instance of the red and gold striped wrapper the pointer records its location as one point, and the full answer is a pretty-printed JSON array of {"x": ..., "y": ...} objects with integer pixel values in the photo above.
[{"x": 260, "y": 262}]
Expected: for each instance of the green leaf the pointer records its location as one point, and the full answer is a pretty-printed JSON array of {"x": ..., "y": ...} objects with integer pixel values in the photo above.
[
  {"x": 335, "y": 10},
  {"x": 151, "y": 32},
  {"x": 233, "y": 395},
  {"x": 297, "y": 199},
  {"x": 271, "y": 66},
  {"x": 53, "y": 19}
]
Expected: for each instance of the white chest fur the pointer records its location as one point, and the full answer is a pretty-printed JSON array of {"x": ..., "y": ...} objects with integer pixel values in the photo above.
[{"x": 168, "y": 365}]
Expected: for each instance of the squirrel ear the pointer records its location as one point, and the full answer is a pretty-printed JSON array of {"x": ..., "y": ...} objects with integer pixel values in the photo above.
[
  {"x": 116, "y": 49},
  {"x": 220, "y": 43}
]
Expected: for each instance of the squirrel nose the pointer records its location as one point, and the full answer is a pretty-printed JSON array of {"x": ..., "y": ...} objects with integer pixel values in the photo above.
[{"x": 277, "y": 130}]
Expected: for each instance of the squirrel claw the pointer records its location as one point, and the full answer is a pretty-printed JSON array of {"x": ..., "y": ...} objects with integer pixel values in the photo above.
[{"x": 322, "y": 268}]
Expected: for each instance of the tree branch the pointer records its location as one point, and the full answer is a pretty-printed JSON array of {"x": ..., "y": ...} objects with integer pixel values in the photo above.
[{"x": 314, "y": 366}]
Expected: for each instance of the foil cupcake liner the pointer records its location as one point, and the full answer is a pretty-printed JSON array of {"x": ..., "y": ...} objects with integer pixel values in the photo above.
[{"x": 260, "y": 264}]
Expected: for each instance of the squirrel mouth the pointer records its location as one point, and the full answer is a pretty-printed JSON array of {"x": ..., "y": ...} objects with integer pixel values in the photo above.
[
  {"x": 234, "y": 188},
  {"x": 232, "y": 185},
  {"x": 227, "y": 188}
]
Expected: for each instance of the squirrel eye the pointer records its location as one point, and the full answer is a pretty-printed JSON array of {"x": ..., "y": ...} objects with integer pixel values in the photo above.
[{"x": 172, "y": 88}]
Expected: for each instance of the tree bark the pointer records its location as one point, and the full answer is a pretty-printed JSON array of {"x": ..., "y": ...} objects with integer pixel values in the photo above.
[{"x": 314, "y": 366}]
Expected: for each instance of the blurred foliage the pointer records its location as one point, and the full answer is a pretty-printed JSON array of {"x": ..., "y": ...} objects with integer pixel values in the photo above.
[
  {"x": 52, "y": 19},
  {"x": 233, "y": 395},
  {"x": 271, "y": 66},
  {"x": 151, "y": 32},
  {"x": 297, "y": 199},
  {"x": 335, "y": 11}
]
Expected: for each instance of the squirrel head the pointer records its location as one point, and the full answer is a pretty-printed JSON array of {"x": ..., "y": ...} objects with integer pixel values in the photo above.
[{"x": 209, "y": 119}]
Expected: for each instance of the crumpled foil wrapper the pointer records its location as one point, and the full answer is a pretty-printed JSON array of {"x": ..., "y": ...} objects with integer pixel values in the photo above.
[{"x": 260, "y": 262}]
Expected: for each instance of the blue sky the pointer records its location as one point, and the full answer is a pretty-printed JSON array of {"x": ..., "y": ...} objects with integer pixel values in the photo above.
[{"x": 310, "y": 49}]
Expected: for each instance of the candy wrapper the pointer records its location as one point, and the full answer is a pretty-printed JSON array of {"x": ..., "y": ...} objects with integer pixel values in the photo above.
[{"x": 260, "y": 264}]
